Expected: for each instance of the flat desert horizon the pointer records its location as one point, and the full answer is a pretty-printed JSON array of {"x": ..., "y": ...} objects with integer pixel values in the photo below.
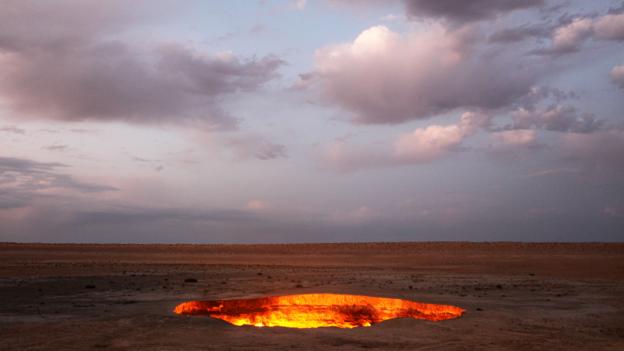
[{"x": 517, "y": 296}]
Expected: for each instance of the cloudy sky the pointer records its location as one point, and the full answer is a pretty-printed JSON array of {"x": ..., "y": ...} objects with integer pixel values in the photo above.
[{"x": 306, "y": 121}]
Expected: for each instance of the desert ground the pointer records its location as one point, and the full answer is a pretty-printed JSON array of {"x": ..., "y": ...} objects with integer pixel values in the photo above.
[{"x": 518, "y": 296}]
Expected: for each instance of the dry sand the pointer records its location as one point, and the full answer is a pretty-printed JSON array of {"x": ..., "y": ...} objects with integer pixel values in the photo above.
[{"x": 120, "y": 297}]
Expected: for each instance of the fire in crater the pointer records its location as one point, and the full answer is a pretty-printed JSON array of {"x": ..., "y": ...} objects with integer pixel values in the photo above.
[{"x": 317, "y": 310}]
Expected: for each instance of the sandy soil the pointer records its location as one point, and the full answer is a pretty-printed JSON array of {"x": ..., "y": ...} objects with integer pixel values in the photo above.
[{"x": 120, "y": 297}]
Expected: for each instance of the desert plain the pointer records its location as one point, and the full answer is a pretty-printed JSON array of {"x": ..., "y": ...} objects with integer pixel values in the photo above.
[{"x": 517, "y": 296}]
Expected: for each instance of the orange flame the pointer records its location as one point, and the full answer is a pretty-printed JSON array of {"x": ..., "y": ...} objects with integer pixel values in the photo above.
[{"x": 317, "y": 310}]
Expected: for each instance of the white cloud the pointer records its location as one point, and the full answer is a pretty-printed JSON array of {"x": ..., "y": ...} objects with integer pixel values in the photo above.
[
  {"x": 422, "y": 145},
  {"x": 426, "y": 144},
  {"x": 617, "y": 76},
  {"x": 386, "y": 77},
  {"x": 569, "y": 37},
  {"x": 610, "y": 27}
]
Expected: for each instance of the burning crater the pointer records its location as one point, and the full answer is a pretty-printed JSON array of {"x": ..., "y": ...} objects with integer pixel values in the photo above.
[{"x": 317, "y": 310}]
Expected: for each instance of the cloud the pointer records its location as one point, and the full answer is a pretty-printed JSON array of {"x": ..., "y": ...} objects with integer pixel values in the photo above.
[
  {"x": 520, "y": 33},
  {"x": 11, "y": 164},
  {"x": 519, "y": 137},
  {"x": 569, "y": 37},
  {"x": 434, "y": 142},
  {"x": 384, "y": 77},
  {"x": 466, "y": 10},
  {"x": 25, "y": 178},
  {"x": 557, "y": 118},
  {"x": 69, "y": 68},
  {"x": 610, "y": 27},
  {"x": 125, "y": 215},
  {"x": 617, "y": 76},
  {"x": 56, "y": 147},
  {"x": 458, "y": 12},
  {"x": 422, "y": 145},
  {"x": 12, "y": 129},
  {"x": 84, "y": 131},
  {"x": 108, "y": 81},
  {"x": 542, "y": 93},
  {"x": 154, "y": 164},
  {"x": 427, "y": 144},
  {"x": 31, "y": 25},
  {"x": 251, "y": 146}
]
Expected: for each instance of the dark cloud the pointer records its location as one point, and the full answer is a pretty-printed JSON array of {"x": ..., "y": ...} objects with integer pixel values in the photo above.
[
  {"x": 520, "y": 33},
  {"x": 557, "y": 118},
  {"x": 33, "y": 25},
  {"x": 270, "y": 151},
  {"x": 27, "y": 188},
  {"x": 616, "y": 10},
  {"x": 10, "y": 164},
  {"x": 83, "y": 131},
  {"x": 143, "y": 160},
  {"x": 108, "y": 81},
  {"x": 256, "y": 147},
  {"x": 154, "y": 164},
  {"x": 466, "y": 10},
  {"x": 541, "y": 94},
  {"x": 74, "y": 220},
  {"x": 56, "y": 147},
  {"x": 12, "y": 129},
  {"x": 59, "y": 63},
  {"x": 127, "y": 215},
  {"x": 26, "y": 177},
  {"x": 222, "y": 74}
]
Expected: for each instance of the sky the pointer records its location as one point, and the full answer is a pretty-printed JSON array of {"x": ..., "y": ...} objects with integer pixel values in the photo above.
[{"x": 311, "y": 121}]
